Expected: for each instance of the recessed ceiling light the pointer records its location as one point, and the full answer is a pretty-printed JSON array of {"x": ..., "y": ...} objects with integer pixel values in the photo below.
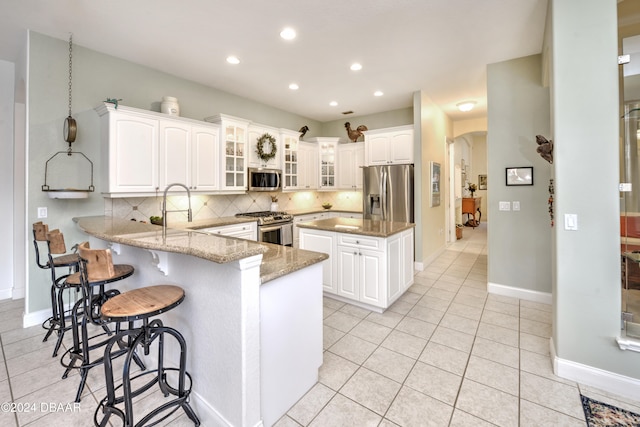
[
  {"x": 294, "y": 86},
  {"x": 288, "y": 33},
  {"x": 378, "y": 93},
  {"x": 356, "y": 67},
  {"x": 333, "y": 103},
  {"x": 466, "y": 105},
  {"x": 233, "y": 60}
]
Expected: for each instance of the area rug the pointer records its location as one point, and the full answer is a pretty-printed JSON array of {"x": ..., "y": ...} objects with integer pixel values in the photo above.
[{"x": 600, "y": 414}]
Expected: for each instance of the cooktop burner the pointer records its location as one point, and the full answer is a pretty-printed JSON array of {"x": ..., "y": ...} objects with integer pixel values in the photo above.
[{"x": 268, "y": 217}]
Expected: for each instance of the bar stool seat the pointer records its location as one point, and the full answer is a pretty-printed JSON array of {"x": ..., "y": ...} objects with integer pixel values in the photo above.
[
  {"x": 142, "y": 304},
  {"x": 96, "y": 271}
]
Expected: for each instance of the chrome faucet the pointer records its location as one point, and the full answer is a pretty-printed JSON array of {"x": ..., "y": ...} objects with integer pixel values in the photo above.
[{"x": 164, "y": 206}]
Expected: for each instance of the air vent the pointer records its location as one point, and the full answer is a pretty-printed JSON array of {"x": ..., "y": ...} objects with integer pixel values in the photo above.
[{"x": 347, "y": 112}]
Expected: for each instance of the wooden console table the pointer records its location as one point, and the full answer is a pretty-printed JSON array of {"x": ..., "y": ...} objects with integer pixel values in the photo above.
[{"x": 471, "y": 205}]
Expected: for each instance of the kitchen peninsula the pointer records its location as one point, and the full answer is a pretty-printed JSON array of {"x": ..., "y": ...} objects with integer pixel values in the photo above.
[
  {"x": 370, "y": 262},
  {"x": 252, "y": 316}
]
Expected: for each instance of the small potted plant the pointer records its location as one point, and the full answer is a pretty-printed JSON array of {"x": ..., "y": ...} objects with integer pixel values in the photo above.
[
  {"x": 472, "y": 189},
  {"x": 274, "y": 203}
]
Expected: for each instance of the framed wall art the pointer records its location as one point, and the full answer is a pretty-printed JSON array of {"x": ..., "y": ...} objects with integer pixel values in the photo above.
[
  {"x": 519, "y": 175},
  {"x": 435, "y": 184},
  {"x": 482, "y": 182}
]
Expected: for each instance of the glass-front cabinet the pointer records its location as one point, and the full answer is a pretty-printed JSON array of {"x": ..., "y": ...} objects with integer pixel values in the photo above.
[
  {"x": 234, "y": 150},
  {"x": 328, "y": 158},
  {"x": 290, "y": 160}
]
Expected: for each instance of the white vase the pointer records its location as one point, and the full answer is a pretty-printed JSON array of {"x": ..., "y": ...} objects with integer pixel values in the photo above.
[
  {"x": 169, "y": 105},
  {"x": 274, "y": 207}
]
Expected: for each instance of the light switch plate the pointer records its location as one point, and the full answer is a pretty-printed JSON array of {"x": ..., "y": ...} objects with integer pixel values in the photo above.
[
  {"x": 570, "y": 222},
  {"x": 42, "y": 212},
  {"x": 516, "y": 205},
  {"x": 504, "y": 206}
]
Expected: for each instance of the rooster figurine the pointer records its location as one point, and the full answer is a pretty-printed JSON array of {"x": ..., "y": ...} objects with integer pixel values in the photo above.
[
  {"x": 355, "y": 134},
  {"x": 545, "y": 148},
  {"x": 303, "y": 130}
]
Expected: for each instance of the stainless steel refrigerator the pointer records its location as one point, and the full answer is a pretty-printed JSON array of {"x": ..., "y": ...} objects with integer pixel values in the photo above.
[{"x": 388, "y": 192}]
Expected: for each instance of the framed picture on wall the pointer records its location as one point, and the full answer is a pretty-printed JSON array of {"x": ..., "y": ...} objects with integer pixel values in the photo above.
[
  {"x": 482, "y": 182},
  {"x": 435, "y": 184},
  {"x": 519, "y": 175}
]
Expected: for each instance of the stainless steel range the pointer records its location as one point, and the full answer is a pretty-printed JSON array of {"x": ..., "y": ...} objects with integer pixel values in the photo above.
[{"x": 273, "y": 227}]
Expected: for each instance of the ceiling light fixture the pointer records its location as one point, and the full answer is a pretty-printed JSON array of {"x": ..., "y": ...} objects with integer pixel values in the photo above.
[
  {"x": 333, "y": 103},
  {"x": 466, "y": 105},
  {"x": 233, "y": 60},
  {"x": 378, "y": 93},
  {"x": 356, "y": 66},
  {"x": 288, "y": 33},
  {"x": 294, "y": 86}
]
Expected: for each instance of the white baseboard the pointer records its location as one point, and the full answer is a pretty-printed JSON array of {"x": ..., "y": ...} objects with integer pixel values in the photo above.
[
  {"x": 420, "y": 266},
  {"x": 520, "y": 293},
  {"x": 208, "y": 415},
  {"x": 6, "y": 293},
  {"x": 594, "y": 377},
  {"x": 35, "y": 318}
]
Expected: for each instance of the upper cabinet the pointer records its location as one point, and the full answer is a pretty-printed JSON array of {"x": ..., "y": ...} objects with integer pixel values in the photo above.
[
  {"x": 257, "y": 132},
  {"x": 144, "y": 151},
  {"x": 389, "y": 146},
  {"x": 308, "y": 176},
  {"x": 351, "y": 160},
  {"x": 234, "y": 150},
  {"x": 328, "y": 159},
  {"x": 290, "y": 159}
]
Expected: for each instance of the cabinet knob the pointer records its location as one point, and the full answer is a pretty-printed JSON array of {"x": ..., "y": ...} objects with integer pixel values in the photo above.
[
  {"x": 355, "y": 253},
  {"x": 357, "y": 242}
]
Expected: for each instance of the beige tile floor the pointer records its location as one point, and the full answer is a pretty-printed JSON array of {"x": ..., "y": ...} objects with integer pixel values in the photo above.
[{"x": 445, "y": 354}]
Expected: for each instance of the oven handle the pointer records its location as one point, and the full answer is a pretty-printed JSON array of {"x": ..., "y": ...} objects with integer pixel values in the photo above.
[{"x": 264, "y": 229}]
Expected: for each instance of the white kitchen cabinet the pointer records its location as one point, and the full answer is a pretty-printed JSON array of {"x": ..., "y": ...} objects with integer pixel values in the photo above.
[
  {"x": 245, "y": 230},
  {"x": 369, "y": 271},
  {"x": 233, "y": 151},
  {"x": 328, "y": 160},
  {"x": 290, "y": 159},
  {"x": 350, "y": 162},
  {"x": 255, "y": 132},
  {"x": 188, "y": 155},
  {"x": 308, "y": 176},
  {"x": 297, "y": 219},
  {"x": 325, "y": 242},
  {"x": 389, "y": 146}
]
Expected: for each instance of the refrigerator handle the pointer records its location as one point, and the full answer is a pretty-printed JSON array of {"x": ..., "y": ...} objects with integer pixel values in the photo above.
[{"x": 383, "y": 195}]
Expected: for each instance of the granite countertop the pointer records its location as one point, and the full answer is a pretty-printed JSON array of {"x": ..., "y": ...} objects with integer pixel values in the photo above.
[
  {"x": 365, "y": 227},
  {"x": 276, "y": 260}
]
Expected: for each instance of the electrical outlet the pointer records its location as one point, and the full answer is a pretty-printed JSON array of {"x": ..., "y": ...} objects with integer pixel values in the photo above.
[{"x": 42, "y": 212}]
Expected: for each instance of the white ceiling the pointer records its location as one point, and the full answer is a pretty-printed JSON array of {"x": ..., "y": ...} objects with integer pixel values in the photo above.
[{"x": 439, "y": 46}]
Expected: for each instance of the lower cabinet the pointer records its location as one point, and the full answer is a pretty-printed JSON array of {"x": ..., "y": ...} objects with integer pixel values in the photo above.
[
  {"x": 247, "y": 230},
  {"x": 368, "y": 271}
]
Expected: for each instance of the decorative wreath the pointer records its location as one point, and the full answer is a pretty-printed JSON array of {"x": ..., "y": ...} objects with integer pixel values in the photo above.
[{"x": 266, "y": 138}]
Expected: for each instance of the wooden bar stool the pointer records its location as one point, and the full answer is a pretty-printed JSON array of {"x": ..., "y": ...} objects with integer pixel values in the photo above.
[
  {"x": 59, "y": 322},
  {"x": 95, "y": 272},
  {"x": 142, "y": 304}
]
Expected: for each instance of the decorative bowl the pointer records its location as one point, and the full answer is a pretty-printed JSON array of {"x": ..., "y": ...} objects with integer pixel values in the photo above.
[{"x": 327, "y": 205}]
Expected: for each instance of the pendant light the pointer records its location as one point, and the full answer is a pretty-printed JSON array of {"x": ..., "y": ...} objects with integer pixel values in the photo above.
[{"x": 69, "y": 133}]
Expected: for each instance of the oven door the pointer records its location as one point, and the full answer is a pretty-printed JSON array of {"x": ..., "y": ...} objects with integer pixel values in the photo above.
[{"x": 281, "y": 234}]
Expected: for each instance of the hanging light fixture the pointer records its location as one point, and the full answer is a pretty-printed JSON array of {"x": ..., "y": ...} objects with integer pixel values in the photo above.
[{"x": 69, "y": 133}]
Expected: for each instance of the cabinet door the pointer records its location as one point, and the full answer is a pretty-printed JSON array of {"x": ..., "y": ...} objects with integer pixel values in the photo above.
[
  {"x": 175, "y": 155},
  {"x": 308, "y": 166},
  {"x": 234, "y": 150},
  {"x": 290, "y": 162},
  {"x": 346, "y": 175},
  {"x": 407, "y": 258},
  {"x": 359, "y": 163},
  {"x": 133, "y": 153},
  {"x": 205, "y": 146},
  {"x": 401, "y": 147},
  {"x": 348, "y": 271},
  {"x": 372, "y": 277},
  {"x": 377, "y": 149},
  {"x": 321, "y": 242},
  {"x": 328, "y": 160}
]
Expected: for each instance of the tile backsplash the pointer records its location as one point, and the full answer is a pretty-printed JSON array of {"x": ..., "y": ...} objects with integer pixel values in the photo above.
[{"x": 217, "y": 206}]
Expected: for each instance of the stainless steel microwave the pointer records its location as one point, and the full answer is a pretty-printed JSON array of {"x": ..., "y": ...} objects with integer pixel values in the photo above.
[{"x": 262, "y": 179}]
